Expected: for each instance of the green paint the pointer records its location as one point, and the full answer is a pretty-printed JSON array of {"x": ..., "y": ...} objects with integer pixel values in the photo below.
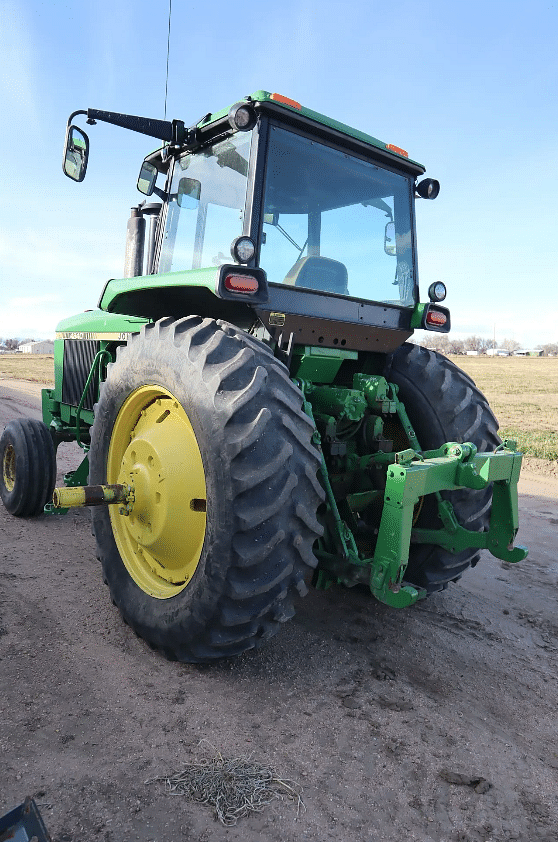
[
  {"x": 380, "y": 395},
  {"x": 339, "y": 414},
  {"x": 202, "y": 278},
  {"x": 417, "y": 316},
  {"x": 342, "y": 404},
  {"x": 98, "y": 321},
  {"x": 88, "y": 325},
  {"x": 100, "y": 356},
  {"x": 80, "y": 476},
  {"x": 319, "y": 365}
]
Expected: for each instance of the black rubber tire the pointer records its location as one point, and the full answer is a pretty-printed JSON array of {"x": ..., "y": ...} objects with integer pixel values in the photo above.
[
  {"x": 28, "y": 467},
  {"x": 443, "y": 404},
  {"x": 262, "y": 488}
]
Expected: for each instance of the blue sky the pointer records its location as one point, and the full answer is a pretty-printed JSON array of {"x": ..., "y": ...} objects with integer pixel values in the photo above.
[{"x": 469, "y": 89}]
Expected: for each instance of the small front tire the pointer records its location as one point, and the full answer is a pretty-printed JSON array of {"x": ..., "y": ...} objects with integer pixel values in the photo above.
[{"x": 28, "y": 472}]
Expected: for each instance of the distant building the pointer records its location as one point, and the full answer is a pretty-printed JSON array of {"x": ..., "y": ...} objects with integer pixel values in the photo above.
[
  {"x": 497, "y": 352},
  {"x": 44, "y": 347},
  {"x": 526, "y": 352},
  {"x": 472, "y": 353}
]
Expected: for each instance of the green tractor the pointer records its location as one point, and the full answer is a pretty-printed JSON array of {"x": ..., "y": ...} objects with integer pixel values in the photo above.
[{"x": 253, "y": 419}]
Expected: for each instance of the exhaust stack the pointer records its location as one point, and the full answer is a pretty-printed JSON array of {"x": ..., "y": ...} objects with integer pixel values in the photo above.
[{"x": 135, "y": 240}]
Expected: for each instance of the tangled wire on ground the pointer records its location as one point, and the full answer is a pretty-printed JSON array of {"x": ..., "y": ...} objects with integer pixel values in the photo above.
[{"x": 233, "y": 787}]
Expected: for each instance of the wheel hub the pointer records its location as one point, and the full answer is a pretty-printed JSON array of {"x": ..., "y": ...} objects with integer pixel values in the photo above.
[
  {"x": 9, "y": 468},
  {"x": 154, "y": 450}
]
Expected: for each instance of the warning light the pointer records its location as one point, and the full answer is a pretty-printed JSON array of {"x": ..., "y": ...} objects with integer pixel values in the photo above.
[
  {"x": 393, "y": 148},
  {"x": 284, "y": 100}
]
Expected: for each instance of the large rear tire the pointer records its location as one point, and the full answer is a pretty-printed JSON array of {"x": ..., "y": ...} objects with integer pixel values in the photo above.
[
  {"x": 207, "y": 427},
  {"x": 443, "y": 404},
  {"x": 28, "y": 467}
]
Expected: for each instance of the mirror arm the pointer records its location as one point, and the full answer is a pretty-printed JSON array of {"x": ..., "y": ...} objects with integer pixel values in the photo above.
[
  {"x": 74, "y": 114},
  {"x": 171, "y": 132},
  {"x": 162, "y": 194}
]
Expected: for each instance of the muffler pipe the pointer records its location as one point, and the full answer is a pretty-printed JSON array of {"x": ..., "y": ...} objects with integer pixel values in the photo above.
[{"x": 135, "y": 240}]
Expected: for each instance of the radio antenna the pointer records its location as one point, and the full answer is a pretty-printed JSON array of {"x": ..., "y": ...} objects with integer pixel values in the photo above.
[{"x": 168, "y": 52}]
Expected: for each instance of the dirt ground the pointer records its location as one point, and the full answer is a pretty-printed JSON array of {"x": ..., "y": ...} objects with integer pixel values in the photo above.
[{"x": 436, "y": 723}]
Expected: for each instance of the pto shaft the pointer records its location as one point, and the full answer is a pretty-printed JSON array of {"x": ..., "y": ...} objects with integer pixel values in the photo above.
[{"x": 89, "y": 495}]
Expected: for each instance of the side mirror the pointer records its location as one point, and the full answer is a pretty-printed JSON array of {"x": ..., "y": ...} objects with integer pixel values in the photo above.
[
  {"x": 147, "y": 178},
  {"x": 189, "y": 191},
  {"x": 76, "y": 153},
  {"x": 390, "y": 246}
]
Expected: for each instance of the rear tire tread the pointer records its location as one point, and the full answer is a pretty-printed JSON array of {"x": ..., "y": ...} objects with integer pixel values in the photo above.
[{"x": 251, "y": 420}]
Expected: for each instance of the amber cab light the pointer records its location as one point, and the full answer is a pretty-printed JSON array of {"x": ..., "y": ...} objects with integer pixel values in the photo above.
[
  {"x": 286, "y": 101},
  {"x": 241, "y": 283},
  {"x": 433, "y": 317},
  {"x": 393, "y": 148}
]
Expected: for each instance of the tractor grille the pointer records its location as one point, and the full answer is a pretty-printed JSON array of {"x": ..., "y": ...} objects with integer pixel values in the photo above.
[{"x": 78, "y": 359}]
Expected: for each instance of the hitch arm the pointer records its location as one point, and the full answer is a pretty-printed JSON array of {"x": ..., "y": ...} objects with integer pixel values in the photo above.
[{"x": 452, "y": 466}]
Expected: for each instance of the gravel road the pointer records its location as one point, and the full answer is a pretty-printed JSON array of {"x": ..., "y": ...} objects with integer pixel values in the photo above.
[{"x": 436, "y": 723}]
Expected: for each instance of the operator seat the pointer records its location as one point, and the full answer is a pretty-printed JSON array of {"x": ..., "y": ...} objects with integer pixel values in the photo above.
[{"x": 320, "y": 273}]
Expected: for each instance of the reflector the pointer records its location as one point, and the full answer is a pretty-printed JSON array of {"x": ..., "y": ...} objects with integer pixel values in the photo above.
[
  {"x": 393, "y": 148},
  {"x": 285, "y": 100}
]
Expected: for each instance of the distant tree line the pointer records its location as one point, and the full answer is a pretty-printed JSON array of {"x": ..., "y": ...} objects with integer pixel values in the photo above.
[
  {"x": 434, "y": 341},
  {"x": 13, "y": 344},
  {"x": 447, "y": 345}
]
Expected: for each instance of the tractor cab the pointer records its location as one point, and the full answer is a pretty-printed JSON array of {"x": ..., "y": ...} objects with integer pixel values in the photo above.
[
  {"x": 326, "y": 219},
  {"x": 271, "y": 205}
]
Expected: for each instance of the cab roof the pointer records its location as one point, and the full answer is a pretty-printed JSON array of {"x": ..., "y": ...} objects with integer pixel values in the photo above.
[{"x": 278, "y": 102}]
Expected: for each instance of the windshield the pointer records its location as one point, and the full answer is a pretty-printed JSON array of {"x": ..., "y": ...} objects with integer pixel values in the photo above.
[
  {"x": 206, "y": 206},
  {"x": 336, "y": 223}
]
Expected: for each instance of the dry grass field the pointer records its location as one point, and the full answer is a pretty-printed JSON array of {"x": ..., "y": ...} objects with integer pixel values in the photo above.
[
  {"x": 523, "y": 392},
  {"x": 39, "y": 368}
]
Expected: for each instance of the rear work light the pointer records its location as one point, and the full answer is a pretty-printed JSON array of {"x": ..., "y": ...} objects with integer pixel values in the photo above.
[
  {"x": 241, "y": 283},
  {"x": 433, "y": 317},
  {"x": 242, "y": 116}
]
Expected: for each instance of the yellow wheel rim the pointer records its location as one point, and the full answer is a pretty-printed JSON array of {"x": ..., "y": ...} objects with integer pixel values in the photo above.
[
  {"x": 153, "y": 449},
  {"x": 9, "y": 468}
]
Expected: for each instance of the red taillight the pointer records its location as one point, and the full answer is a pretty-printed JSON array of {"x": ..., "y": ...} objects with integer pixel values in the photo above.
[
  {"x": 241, "y": 283},
  {"x": 433, "y": 317}
]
